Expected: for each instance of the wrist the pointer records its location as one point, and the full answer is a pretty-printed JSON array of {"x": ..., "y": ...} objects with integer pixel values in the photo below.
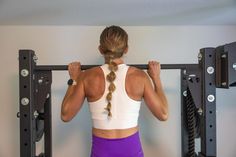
[
  {"x": 157, "y": 81},
  {"x": 75, "y": 76},
  {"x": 156, "y": 78},
  {"x": 71, "y": 82}
]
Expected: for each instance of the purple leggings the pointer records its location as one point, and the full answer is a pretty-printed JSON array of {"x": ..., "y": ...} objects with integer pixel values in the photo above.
[{"x": 121, "y": 147}]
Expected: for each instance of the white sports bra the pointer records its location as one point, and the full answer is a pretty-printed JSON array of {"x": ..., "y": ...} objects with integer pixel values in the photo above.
[{"x": 125, "y": 111}]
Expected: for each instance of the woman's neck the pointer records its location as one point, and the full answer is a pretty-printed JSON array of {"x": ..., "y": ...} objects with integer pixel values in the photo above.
[{"x": 116, "y": 60}]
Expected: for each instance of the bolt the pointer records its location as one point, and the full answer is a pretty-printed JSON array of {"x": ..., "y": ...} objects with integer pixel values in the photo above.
[
  {"x": 210, "y": 70},
  {"x": 192, "y": 75},
  {"x": 223, "y": 56},
  {"x": 185, "y": 93},
  {"x": 36, "y": 114},
  {"x": 35, "y": 58},
  {"x": 24, "y": 101},
  {"x": 40, "y": 81},
  {"x": 223, "y": 83},
  {"x": 199, "y": 56},
  {"x": 234, "y": 66},
  {"x": 48, "y": 95},
  {"x": 18, "y": 115},
  {"x": 24, "y": 72},
  {"x": 200, "y": 111},
  {"x": 211, "y": 98}
]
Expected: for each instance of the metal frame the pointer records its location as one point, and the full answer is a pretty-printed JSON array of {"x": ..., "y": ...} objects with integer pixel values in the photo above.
[
  {"x": 27, "y": 121},
  {"x": 198, "y": 90},
  {"x": 35, "y": 106},
  {"x": 208, "y": 120}
]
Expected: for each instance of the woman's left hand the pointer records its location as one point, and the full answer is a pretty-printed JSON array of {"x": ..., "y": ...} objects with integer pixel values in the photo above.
[{"x": 74, "y": 69}]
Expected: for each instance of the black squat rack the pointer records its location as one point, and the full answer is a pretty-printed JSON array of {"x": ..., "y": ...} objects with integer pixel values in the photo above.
[{"x": 216, "y": 68}]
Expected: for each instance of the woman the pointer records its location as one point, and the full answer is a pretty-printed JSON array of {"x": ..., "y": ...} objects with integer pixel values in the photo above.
[{"x": 114, "y": 92}]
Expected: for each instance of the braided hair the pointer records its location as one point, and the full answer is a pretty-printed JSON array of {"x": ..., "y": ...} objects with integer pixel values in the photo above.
[{"x": 113, "y": 43}]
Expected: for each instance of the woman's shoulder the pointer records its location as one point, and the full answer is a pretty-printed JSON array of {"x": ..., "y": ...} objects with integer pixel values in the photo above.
[
  {"x": 136, "y": 72},
  {"x": 92, "y": 71}
]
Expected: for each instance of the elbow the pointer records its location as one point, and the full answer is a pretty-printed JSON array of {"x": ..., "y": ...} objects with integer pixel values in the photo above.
[
  {"x": 165, "y": 113},
  {"x": 65, "y": 118},
  {"x": 164, "y": 117}
]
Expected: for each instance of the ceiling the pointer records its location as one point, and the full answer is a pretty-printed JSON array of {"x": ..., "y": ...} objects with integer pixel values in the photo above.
[{"x": 119, "y": 12}]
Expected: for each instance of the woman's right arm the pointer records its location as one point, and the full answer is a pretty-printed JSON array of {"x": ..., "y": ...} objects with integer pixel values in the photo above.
[
  {"x": 154, "y": 95},
  {"x": 75, "y": 95}
]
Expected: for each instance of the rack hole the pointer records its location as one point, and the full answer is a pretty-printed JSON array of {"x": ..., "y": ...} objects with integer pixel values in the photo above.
[
  {"x": 25, "y": 130},
  {"x": 25, "y": 115},
  {"x": 210, "y": 83},
  {"x": 25, "y": 86},
  {"x": 210, "y": 55},
  {"x": 210, "y": 126},
  {"x": 211, "y": 139},
  {"x": 210, "y": 112},
  {"x": 26, "y": 144},
  {"x": 24, "y": 58}
]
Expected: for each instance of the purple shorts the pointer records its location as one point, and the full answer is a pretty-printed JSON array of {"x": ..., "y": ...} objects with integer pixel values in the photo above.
[{"x": 121, "y": 147}]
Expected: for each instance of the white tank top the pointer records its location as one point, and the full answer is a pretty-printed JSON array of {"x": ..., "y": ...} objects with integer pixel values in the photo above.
[{"x": 125, "y": 111}]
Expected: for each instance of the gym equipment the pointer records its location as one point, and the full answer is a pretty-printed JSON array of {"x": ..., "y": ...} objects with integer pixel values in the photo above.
[
  {"x": 226, "y": 65},
  {"x": 198, "y": 99}
]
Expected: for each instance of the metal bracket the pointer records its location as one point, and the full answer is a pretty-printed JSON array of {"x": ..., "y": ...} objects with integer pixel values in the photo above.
[
  {"x": 226, "y": 65},
  {"x": 43, "y": 81},
  {"x": 195, "y": 84}
]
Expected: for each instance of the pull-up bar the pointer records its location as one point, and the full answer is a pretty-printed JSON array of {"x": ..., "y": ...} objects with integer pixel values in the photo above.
[{"x": 84, "y": 67}]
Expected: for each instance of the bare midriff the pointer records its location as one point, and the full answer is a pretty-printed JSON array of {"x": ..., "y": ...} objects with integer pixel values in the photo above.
[{"x": 115, "y": 133}]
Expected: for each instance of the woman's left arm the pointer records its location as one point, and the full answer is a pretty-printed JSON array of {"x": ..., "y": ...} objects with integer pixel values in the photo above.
[{"x": 75, "y": 94}]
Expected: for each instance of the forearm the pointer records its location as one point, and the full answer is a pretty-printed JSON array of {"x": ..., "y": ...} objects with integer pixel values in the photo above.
[
  {"x": 160, "y": 93},
  {"x": 69, "y": 94},
  {"x": 65, "y": 104},
  {"x": 73, "y": 100}
]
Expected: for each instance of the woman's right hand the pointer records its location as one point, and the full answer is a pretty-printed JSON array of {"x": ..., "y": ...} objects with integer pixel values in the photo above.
[{"x": 154, "y": 69}]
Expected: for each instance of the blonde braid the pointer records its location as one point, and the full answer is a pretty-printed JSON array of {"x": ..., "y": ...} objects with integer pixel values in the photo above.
[
  {"x": 113, "y": 67},
  {"x": 113, "y": 44}
]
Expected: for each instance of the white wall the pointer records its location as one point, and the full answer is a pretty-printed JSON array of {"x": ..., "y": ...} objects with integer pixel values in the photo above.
[{"x": 63, "y": 44}]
